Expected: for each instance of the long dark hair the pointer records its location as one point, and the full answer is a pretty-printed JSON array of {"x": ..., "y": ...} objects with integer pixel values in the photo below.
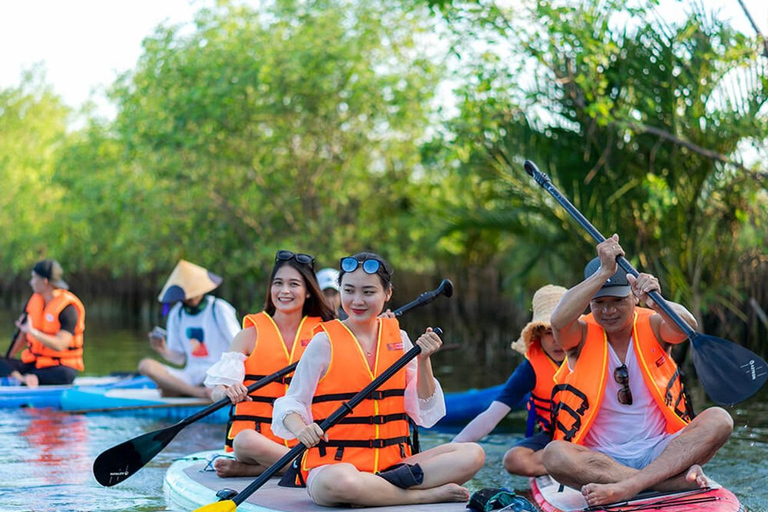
[
  {"x": 315, "y": 304},
  {"x": 385, "y": 269}
]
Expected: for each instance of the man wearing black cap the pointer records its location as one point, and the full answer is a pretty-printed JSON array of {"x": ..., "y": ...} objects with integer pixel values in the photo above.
[
  {"x": 620, "y": 417},
  {"x": 52, "y": 328}
]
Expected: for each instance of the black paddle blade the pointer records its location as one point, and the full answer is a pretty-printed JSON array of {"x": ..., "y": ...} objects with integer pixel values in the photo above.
[
  {"x": 118, "y": 463},
  {"x": 729, "y": 373}
]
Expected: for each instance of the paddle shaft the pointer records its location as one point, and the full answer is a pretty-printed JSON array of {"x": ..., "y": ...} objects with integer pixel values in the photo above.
[
  {"x": 543, "y": 180},
  {"x": 14, "y": 336},
  {"x": 334, "y": 418}
]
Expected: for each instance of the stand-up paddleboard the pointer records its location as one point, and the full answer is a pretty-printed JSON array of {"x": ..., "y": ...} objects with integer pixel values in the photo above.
[
  {"x": 188, "y": 487},
  {"x": 551, "y": 496},
  {"x": 50, "y": 396}
]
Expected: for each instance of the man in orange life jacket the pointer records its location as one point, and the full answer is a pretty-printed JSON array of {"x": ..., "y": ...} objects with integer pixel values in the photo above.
[
  {"x": 620, "y": 418},
  {"x": 52, "y": 328}
]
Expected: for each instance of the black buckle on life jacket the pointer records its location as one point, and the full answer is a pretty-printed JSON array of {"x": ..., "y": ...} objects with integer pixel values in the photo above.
[
  {"x": 377, "y": 443},
  {"x": 339, "y": 453},
  {"x": 377, "y": 394}
]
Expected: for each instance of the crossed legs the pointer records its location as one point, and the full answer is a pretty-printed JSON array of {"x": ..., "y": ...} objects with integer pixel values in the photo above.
[
  {"x": 254, "y": 453},
  {"x": 445, "y": 468},
  {"x": 168, "y": 384},
  {"x": 603, "y": 480}
]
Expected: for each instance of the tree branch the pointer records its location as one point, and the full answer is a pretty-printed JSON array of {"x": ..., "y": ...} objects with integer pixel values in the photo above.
[{"x": 754, "y": 26}]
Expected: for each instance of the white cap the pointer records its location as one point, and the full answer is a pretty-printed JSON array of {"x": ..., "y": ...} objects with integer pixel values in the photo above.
[{"x": 328, "y": 278}]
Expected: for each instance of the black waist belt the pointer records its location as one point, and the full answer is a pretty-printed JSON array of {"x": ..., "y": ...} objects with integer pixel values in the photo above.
[{"x": 375, "y": 395}]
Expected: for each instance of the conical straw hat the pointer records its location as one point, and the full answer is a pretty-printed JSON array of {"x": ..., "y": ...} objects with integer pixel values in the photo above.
[
  {"x": 544, "y": 301},
  {"x": 186, "y": 281}
]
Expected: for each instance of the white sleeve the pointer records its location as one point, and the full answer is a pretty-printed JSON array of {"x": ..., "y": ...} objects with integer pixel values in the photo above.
[
  {"x": 175, "y": 340},
  {"x": 229, "y": 323},
  {"x": 298, "y": 399},
  {"x": 428, "y": 411},
  {"x": 228, "y": 370}
]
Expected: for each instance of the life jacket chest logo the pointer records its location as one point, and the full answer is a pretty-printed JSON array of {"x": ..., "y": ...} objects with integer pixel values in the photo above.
[
  {"x": 48, "y": 317},
  {"x": 305, "y": 342},
  {"x": 395, "y": 346},
  {"x": 660, "y": 361}
]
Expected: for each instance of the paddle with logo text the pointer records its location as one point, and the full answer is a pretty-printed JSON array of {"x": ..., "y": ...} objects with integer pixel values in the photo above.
[
  {"x": 230, "y": 505},
  {"x": 729, "y": 373},
  {"x": 115, "y": 464}
]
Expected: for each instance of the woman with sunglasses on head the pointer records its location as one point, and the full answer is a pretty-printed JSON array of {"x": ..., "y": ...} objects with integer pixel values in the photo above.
[
  {"x": 269, "y": 341},
  {"x": 366, "y": 459}
]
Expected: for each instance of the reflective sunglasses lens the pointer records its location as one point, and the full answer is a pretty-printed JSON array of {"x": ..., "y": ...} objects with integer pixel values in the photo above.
[
  {"x": 348, "y": 264},
  {"x": 283, "y": 255},
  {"x": 625, "y": 396},
  {"x": 305, "y": 259},
  {"x": 371, "y": 266},
  {"x": 621, "y": 375}
]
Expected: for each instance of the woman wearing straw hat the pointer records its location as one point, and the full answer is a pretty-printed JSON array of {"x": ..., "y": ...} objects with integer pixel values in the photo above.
[
  {"x": 200, "y": 329},
  {"x": 535, "y": 375}
]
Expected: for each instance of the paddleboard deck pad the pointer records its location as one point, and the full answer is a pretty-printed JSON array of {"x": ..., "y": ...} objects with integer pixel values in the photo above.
[
  {"x": 188, "y": 487},
  {"x": 551, "y": 496}
]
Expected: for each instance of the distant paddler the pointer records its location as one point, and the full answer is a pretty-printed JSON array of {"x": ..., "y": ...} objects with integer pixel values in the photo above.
[
  {"x": 51, "y": 328},
  {"x": 200, "y": 327}
]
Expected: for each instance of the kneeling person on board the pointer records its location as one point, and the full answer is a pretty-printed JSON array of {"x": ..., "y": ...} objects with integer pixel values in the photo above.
[
  {"x": 621, "y": 424},
  {"x": 535, "y": 375},
  {"x": 367, "y": 459},
  {"x": 200, "y": 328},
  {"x": 52, "y": 328}
]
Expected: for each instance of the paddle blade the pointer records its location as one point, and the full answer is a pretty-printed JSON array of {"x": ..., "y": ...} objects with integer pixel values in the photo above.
[
  {"x": 729, "y": 373},
  {"x": 219, "y": 506},
  {"x": 116, "y": 464}
]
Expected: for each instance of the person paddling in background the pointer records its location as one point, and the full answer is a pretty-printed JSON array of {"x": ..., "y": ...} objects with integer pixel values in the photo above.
[
  {"x": 51, "y": 328},
  {"x": 269, "y": 341},
  {"x": 535, "y": 375},
  {"x": 621, "y": 424},
  {"x": 366, "y": 459},
  {"x": 200, "y": 328},
  {"x": 328, "y": 278}
]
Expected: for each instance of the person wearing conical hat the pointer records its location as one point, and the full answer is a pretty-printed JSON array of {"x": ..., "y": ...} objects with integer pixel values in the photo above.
[
  {"x": 51, "y": 328},
  {"x": 535, "y": 375},
  {"x": 200, "y": 328}
]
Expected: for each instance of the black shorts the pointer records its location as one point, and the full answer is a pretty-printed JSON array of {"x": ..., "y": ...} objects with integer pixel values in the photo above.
[
  {"x": 536, "y": 442},
  {"x": 47, "y": 376}
]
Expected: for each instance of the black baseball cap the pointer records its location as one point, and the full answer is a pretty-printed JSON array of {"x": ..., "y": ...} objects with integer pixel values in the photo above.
[
  {"x": 51, "y": 270},
  {"x": 615, "y": 286}
]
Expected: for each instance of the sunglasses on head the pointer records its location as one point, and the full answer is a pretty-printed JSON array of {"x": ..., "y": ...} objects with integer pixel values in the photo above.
[
  {"x": 304, "y": 259},
  {"x": 370, "y": 266}
]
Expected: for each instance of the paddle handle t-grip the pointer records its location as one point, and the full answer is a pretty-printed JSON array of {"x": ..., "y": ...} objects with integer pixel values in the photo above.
[{"x": 543, "y": 180}]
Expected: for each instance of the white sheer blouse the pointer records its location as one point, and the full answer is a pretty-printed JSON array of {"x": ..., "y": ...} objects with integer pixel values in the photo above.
[{"x": 313, "y": 366}]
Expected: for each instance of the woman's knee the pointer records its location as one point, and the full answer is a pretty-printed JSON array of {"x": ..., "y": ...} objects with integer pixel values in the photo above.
[
  {"x": 146, "y": 365},
  {"x": 337, "y": 485},
  {"x": 475, "y": 455}
]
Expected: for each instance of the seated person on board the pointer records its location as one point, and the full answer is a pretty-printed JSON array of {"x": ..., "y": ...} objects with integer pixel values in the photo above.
[
  {"x": 621, "y": 424},
  {"x": 535, "y": 375},
  {"x": 200, "y": 328},
  {"x": 51, "y": 328}
]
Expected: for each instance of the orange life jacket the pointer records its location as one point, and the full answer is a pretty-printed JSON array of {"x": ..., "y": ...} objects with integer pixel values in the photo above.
[
  {"x": 578, "y": 394},
  {"x": 269, "y": 355},
  {"x": 375, "y": 435},
  {"x": 45, "y": 317},
  {"x": 541, "y": 395}
]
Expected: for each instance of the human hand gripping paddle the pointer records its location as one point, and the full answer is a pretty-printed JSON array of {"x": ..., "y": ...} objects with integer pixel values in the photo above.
[
  {"x": 116, "y": 464},
  {"x": 230, "y": 505},
  {"x": 729, "y": 373}
]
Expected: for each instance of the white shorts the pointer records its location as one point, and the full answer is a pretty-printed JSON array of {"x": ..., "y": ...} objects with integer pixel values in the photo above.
[
  {"x": 648, "y": 457},
  {"x": 187, "y": 375}
]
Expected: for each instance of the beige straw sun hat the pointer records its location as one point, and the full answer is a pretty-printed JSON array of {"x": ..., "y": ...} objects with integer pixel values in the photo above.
[
  {"x": 187, "y": 281},
  {"x": 544, "y": 301}
]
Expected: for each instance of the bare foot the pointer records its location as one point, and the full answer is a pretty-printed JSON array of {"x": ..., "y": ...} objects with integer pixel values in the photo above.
[
  {"x": 696, "y": 475},
  {"x": 30, "y": 380},
  {"x": 227, "y": 468},
  {"x": 601, "y": 494},
  {"x": 450, "y": 492}
]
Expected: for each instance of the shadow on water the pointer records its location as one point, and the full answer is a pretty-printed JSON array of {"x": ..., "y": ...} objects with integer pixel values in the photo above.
[{"x": 45, "y": 464}]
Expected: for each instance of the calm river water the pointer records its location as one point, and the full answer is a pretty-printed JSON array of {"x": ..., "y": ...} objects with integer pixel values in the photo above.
[{"x": 46, "y": 456}]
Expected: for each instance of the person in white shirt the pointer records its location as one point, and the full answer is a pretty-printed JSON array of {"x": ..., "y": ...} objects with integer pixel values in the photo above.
[
  {"x": 200, "y": 328},
  {"x": 621, "y": 425},
  {"x": 361, "y": 462}
]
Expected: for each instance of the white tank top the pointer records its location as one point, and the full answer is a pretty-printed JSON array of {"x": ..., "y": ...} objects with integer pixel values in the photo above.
[{"x": 626, "y": 431}]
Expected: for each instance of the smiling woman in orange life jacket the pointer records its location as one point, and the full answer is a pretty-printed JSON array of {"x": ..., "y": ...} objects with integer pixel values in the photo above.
[
  {"x": 269, "y": 341},
  {"x": 621, "y": 424},
  {"x": 52, "y": 330},
  {"x": 535, "y": 375},
  {"x": 341, "y": 466}
]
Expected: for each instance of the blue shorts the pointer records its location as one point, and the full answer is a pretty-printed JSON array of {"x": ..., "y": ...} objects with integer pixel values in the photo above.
[{"x": 536, "y": 442}]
